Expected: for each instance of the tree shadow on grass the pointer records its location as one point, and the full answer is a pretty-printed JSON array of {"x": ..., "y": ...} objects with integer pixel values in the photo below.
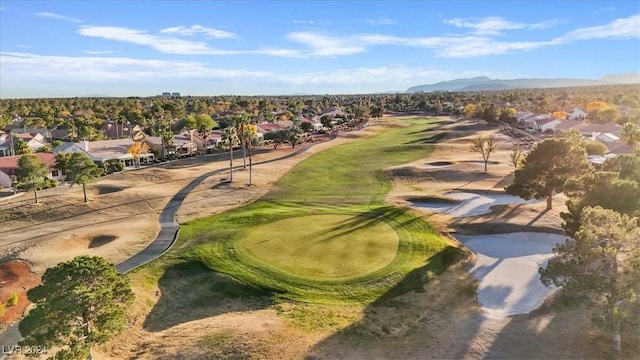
[
  {"x": 191, "y": 291},
  {"x": 416, "y": 279},
  {"x": 362, "y": 221},
  {"x": 429, "y": 139}
]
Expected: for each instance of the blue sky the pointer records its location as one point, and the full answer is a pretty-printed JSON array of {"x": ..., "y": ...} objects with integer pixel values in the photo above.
[{"x": 142, "y": 48}]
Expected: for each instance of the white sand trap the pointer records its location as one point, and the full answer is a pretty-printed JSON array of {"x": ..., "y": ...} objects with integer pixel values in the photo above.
[
  {"x": 472, "y": 204},
  {"x": 507, "y": 270}
]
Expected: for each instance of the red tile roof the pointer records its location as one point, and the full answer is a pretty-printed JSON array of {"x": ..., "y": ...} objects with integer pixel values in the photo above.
[{"x": 8, "y": 164}]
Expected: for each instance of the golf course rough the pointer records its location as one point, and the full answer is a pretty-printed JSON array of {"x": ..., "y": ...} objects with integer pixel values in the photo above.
[{"x": 324, "y": 234}]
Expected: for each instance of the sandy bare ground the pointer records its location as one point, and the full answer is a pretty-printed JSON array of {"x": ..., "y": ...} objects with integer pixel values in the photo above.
[{"x": 440, "y": 321}]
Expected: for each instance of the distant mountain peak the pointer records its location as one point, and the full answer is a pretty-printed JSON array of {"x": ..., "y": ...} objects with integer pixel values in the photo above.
[{"x": 483, "y": 83}]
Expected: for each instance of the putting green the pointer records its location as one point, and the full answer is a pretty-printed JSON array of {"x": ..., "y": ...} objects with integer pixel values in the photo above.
[{"x": 323, "y": 247}]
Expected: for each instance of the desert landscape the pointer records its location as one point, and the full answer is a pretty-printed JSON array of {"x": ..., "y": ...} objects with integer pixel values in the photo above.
[{"x": 488, "y": 304}]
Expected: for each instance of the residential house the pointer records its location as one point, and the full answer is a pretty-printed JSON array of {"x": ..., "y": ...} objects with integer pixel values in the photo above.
[
  {"x": 183, "y": 145},
  {"x": 268, "y": 127},
  {"x": 9, "y": 164},
  {"x": 104, "y": 150},
  {"x": 46, "y": 133},
  {"x": 594, "y": 130},
  {"x": 547, "y": 123},
  {"x": 619, "y": 147},
  {"x": 6, "y": 144},
  {"x": 60, "y": 134},
  {"x": 577, "y": 114},
  {"x": 567, "y": 125},
  {"x": 531, "y": 121},
  {"x": 211, "y": 144},
  {"x": 35, "y": 141},
  {"x": 316, "y": 125}
]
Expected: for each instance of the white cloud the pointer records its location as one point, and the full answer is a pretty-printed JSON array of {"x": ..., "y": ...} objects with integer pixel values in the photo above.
[
  {"x": 24, "y": 46},
  {"x": 48, "y": 15},
  {"x": 198, "y": 29},
  {"x": 172, "y": 45},
  {"x": 164, "y": 44},
  {"x": 456, "y": 46},
  {"x": 322, "y": 45},
  {"x": 617, "y": 29},
  {"x": 379, "y": 21},
  {"x": 30, "y": 67},
  {"x": 495, "y": 25},
  {"x": 313, "y": 22},
  {"x": 465, "y": 46},
  {"x": 306, "y": 22},
  {"x": 480, "y": 43},
  {"x": 25, "y": 68},
  {"x": 486, "y": 26},
  {"x": 100, "y": 52}
]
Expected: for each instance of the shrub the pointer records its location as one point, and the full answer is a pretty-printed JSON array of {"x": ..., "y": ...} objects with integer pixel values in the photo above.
[
  {"x": 595, "y": 148},
  {"x": 13, "y": 299},
  {"x": 3, "y": 309},
  {"x": 112, "y": 166}
]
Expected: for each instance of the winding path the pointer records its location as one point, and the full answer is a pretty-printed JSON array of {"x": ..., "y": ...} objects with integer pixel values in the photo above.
[{"x": 161, "y": 244}]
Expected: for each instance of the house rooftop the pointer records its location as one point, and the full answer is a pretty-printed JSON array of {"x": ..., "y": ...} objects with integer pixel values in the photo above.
[{"x": 8, "y": 164}]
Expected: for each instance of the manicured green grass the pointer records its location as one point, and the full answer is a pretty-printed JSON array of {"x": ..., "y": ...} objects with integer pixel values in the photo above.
[
  {"x": 357, "y": 246},
  {"x": 323, "y": 234}
]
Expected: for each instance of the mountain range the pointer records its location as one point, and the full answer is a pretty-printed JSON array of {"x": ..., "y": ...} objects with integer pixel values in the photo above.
[{"x": 483, "y": 83}]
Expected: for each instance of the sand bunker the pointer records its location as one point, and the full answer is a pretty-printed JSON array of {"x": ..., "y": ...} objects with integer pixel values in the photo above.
[
  {"x": 507, "y": 270},
  {"x": 438, "y": 164},
  {"x": 471, "y": 204}
]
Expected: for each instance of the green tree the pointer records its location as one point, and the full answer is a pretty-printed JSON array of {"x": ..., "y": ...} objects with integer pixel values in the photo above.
[
  {"x": 229, "y": 141},
  {"x": 31, "y": 173},
  {"x": 377, "y": 112},
  {"x": 546, "y": 168},
  {"x": 20, "y": 147},
  {"x": 63, "y": 162},
  {"x": 79, "y": 304},
  {"x": 327, "y": 121},
  {"x": 600, "y": 267},
  {"x": 204, "y": 125},
  {"x": 277, "y": 137},
  {"x": 484, "y": 146},
  {"x": 603, "y": 188},
  {"x": 44, "y": 149},
  {"x": 631, "y": 133},
  {"x": 595, "y": 147},
  {"x": 82, "y": 170},
  {"x": 294, "y": 135},
  {"x": 627, "y": 165},
  {"x": 306, "y": 126},
  {"x": 166, "y": 138}
]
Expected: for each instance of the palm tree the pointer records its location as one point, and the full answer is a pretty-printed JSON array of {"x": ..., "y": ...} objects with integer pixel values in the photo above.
[
  {"x": 228, "y": 141},
  {"x": 166, "y": 136},
  {"x": 245, "y": 133},
  {"x": 631, "y": 133}
]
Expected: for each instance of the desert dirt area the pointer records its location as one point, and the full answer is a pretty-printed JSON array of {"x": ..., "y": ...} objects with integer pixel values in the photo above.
[{"x": 442, "y": 320}]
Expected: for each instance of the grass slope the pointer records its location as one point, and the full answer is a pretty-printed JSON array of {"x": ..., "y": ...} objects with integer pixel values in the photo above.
[{"x": 345, "y": 181}]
